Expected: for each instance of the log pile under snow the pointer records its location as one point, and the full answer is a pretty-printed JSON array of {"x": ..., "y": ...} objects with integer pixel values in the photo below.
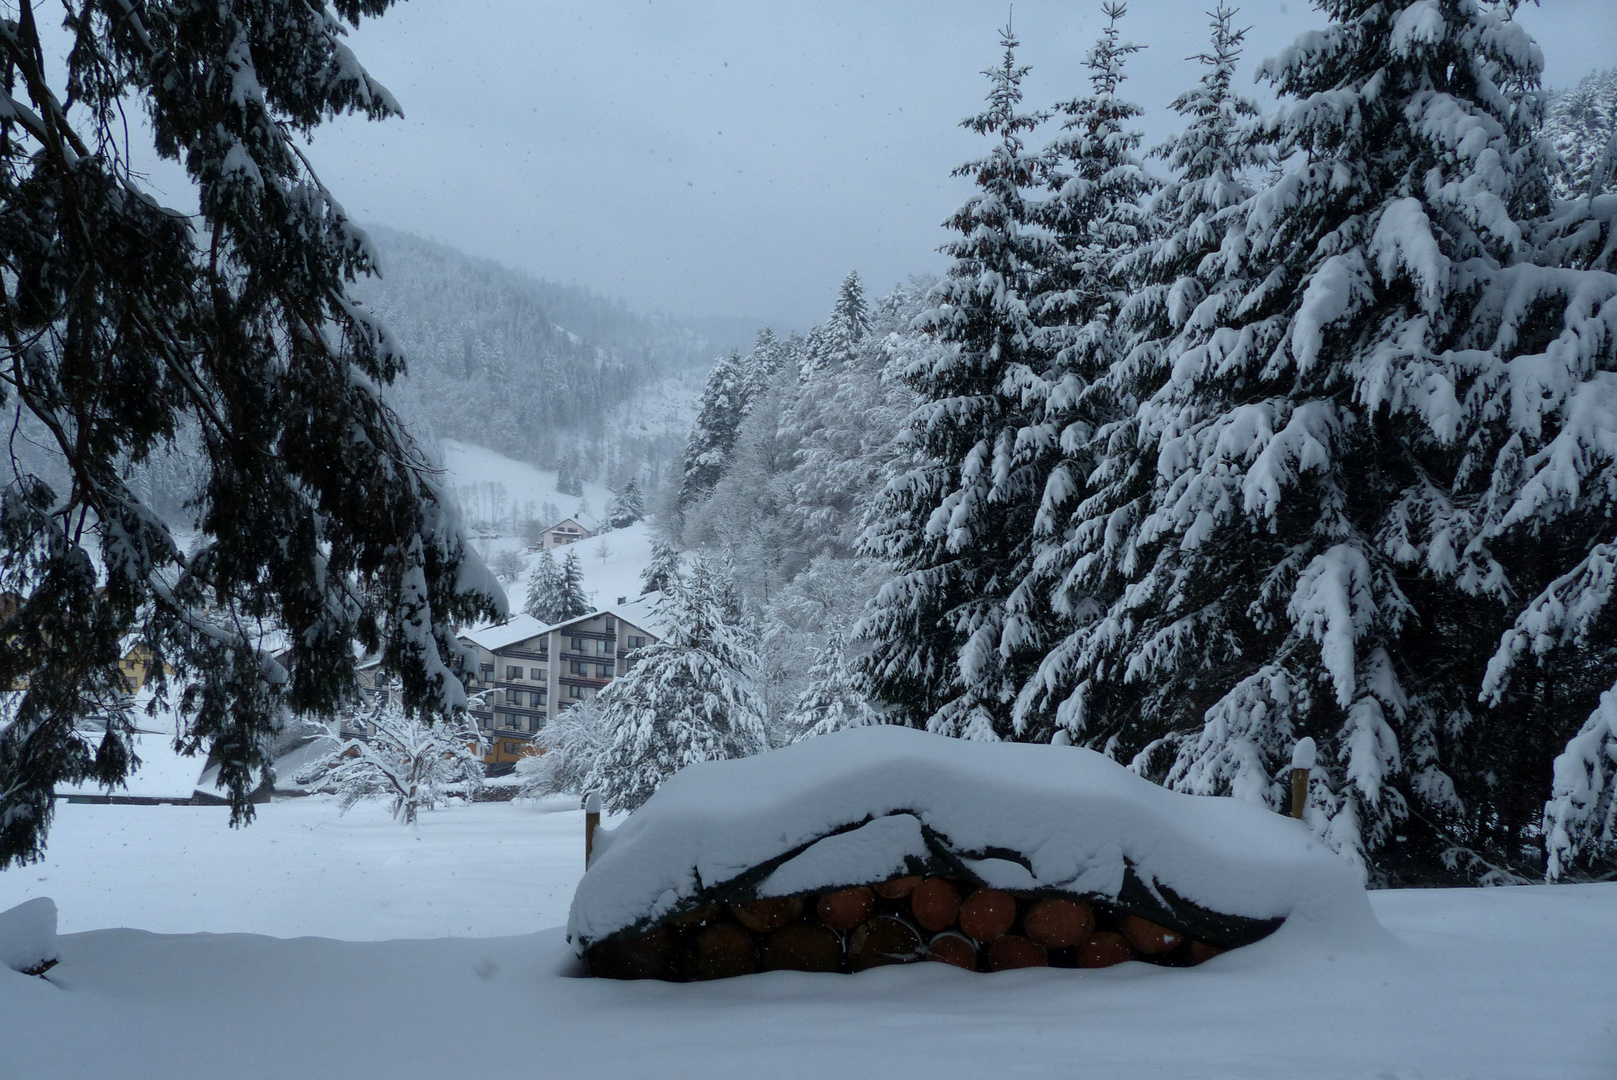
[{"x": 885, "y": 846}]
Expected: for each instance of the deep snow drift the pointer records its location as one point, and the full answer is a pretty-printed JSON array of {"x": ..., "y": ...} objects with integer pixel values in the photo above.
[
  {"x": 870, "y": 803},
  {"x": 1501, "y": 984}
]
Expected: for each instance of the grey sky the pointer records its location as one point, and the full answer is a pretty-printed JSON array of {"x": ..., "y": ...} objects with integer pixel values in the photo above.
[{"x": 738, "y": 158}]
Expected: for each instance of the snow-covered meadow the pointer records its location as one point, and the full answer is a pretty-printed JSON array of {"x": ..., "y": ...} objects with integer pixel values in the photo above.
[{"x": 323, "y": 945}]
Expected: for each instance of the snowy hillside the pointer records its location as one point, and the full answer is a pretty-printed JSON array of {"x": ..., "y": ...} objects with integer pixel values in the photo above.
[{"x": 497, "y": 493}]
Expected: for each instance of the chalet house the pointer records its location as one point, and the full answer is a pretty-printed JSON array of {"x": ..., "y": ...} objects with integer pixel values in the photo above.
[
  {"x": 567, "y": 531},
  {"x": 528, "y": 671}
]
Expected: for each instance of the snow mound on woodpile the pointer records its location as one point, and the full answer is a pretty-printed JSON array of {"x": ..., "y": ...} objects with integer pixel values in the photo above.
[
  {"x": 866, "y": 804},
  {"x": 28, "y": 935}
]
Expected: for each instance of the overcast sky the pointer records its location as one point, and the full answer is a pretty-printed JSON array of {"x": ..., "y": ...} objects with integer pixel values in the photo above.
[{"x": 738, "y": 157}]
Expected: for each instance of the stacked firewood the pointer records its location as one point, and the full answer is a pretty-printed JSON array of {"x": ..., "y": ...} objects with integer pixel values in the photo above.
[{"x": 900, "y": 921}]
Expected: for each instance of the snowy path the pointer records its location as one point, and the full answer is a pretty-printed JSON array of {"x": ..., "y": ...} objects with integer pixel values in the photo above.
[{"x": 1508, "y": 983}]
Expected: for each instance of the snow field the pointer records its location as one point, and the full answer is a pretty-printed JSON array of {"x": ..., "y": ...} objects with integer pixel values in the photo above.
[{"x": 1513, "y": 984}]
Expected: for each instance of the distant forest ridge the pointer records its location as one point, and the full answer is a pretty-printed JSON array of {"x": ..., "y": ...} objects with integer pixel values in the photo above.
[{"x": 551, "y": 374}]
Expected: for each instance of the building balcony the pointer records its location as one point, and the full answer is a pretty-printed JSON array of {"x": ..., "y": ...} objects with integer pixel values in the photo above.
[{"x": 585, "y": 680}]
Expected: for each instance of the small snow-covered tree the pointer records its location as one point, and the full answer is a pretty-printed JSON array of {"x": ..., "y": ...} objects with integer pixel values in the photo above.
[
  {"x": 833, "y": 700},
  {"x": 627, "y": 506},
  {"x": 569, "y": 745},
  {"x": 724, "y": 405},
  {"x": 957, "y": 525},
  {"x": 545, "y": 586},
  {"x": 834, "y": 343},
  {"x": 571, "y": 601},
  {"x": 405, "y": 759},
  {"x": 687, "y": 698},
  {"x": 662, "y": 572},
  {"x": 507, "y": 564}
]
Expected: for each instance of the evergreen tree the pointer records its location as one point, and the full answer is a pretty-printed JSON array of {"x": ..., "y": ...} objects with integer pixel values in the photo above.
[
  {"x": 1096, "y": 224},
  {"x": 1084, "y": 680},
  {"x": 124, "y": 323},
  {"x": 833, "y": 700},
  {"x": 627, "y": 507},
  {"x": 957, "y": 525},
  {"x": 571, "y": 601},
  {"x": 545, "y": 590},
  {"x": 724, "y": 406},
  {"x": 687, "y": 698},
  {"x": 662, "y": 572},
  {"x": 1299, "y": 564},
  {"x": 833, "y": 345},
  {"x": 1582, "y": 122}
]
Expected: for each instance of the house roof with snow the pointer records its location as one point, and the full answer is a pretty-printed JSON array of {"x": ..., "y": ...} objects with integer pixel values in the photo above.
[
  {"x": 641, "y": 613},
  {"x": 503, "y": 635}
]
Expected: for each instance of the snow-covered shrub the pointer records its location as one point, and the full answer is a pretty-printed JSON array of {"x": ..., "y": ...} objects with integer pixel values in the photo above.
[
  {"x": 570, "y": 745},
  {"x": 403, "y": 758}
]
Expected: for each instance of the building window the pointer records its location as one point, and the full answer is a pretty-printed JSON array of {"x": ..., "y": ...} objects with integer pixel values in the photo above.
[
  {"x": 512, "y": 747},
  {"x": 603, "y": 671},
  {"x": 512, "y": 673},
  {"x": 487, "y": 672},
  {"x": 578, "y": 644},
  {"x": 538, "y": 674},
  {"x": 537, "y": 698},
  {"x": 575, "y": 692},
  {"x": 636, "y": 642},
  {"x": 611, "y": 625},
  {"x": 580, "y": 668}
]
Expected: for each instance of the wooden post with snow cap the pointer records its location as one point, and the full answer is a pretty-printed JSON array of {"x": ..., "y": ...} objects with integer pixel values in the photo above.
[
  {"x": 1302, "y": 764},
  {"x": 592, "y": 820}
]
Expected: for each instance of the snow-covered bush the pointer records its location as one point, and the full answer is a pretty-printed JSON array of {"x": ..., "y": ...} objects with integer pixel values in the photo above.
[
  {"x": 570, "y": 745},
  {"x": 402, "y": 758}
]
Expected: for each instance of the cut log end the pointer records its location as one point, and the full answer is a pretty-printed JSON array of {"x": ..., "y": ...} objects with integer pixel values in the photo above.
[
  {"x": 1201, "y": 952},
  {"x": 987, "y": 914},
  {"x": 954, "y": 948},
  {"x": 883, "y": 940},
  {"x": 1150, "y": 938},
  {"x": 898, "y": 888},
  {"x": 643, "y": 957},
  {"x": 936, "y": 904},
  {"x": 721, "y": 951},
  {"x": 1104, "y": 949},
  {"x": 1013, "y": 951},
  {"x": 766, "y": 916},
  {"x": 1059, "y": 924},
  {"x": 847, "y": 908},
  {"x": 803, "y": 946}
]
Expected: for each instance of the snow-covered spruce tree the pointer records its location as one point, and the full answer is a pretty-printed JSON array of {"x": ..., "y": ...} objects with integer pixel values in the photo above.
[
  {"x": 1545, "y": 475},
  {"x": 545, "y": 589},
  {"x": 1315, "y": 451},
  {"x": 834, "y": 344},
  {"x": 833, "y": 699},
  {"x": 845, "y": 425},
  {"x": 662, "y": 572},
  {"x": 1085, "y": 679},
  {"x": 570, "y": 599},
  {"x": 627, "y": 506},
  {"x": 957, "y": 526},
  {"x": 1096, "y": 223},
  {"x": 724, "y": 406},
  {"x": 402, "y": 758},
  {"x": 687, "y": 698},
  {"x": 1582, "y": 122},
  {"x": 123, "y": 322}
]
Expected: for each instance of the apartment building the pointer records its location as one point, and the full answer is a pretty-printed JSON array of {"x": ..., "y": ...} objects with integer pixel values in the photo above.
[{"x": 528, "y": 671}]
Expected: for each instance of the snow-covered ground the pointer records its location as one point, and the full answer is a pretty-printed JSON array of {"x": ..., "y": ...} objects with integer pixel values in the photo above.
[
  {"x": 1507, "y": 983},
  {"x": 612, "y": 562}
]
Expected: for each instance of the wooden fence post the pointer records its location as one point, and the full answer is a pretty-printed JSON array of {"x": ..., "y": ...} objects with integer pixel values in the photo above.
[
  {"x": 1303, "y": 756},
  {"x": 592, "y": 819}
]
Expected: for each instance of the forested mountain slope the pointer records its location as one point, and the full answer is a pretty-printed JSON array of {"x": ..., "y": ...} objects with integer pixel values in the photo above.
[{"x": 542, "y": 372}]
